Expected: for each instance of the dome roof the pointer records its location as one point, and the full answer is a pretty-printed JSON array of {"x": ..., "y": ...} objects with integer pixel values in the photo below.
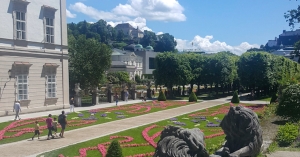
[
  {"x": 149, "y": 48},
  {"x": 138, "y": 46}
]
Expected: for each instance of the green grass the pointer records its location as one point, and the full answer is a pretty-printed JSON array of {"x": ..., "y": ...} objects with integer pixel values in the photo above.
[
  {"x": 212, "y": 144},
  {"x": 265, "y": 98},
  {"x": 86, "y": 114}
]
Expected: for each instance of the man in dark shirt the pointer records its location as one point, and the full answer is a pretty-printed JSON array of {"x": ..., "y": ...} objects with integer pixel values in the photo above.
[{"x": 62, "y": 120}]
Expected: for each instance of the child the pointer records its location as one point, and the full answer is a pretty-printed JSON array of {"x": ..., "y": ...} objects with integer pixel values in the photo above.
[
  {"x": 36, "y": 130},
  {"x": 54, "y": 125}
]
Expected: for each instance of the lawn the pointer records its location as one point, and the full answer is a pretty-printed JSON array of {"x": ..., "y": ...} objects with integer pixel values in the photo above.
[
  {"x": 142, "y": 141},
  {"x": 13, "y": 131}
]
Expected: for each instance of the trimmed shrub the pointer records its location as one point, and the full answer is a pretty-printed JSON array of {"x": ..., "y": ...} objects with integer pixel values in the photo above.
[
  {"x": 287, "y": 134},
  {"x": 114, "y": 149},
  {"x": 161, "y": 96},
  {"x": 192, "y": 97},
  {"x": 235, "y": 98},
  {"x": 289, "y": 103},
  {"x": 274, "y": 98}
]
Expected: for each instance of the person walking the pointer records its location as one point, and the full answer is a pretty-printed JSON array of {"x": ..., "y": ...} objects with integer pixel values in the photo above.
[
  {"x": 36, "y": 130},
  {"x": 126, "y": 95},
  {"x": 54, "y": 126},
  {"x": 17, "y": 108},
  {"x": 72, "y": 104},
  {"x": 117, "y": 99},
  {"x": 62, "y": 120},
  {"x": 49, "y": 126}
]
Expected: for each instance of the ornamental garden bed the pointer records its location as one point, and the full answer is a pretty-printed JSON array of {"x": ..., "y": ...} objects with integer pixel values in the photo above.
[
  {"x": 142, "y": 141},
  {"x": 23, "y": 129}
]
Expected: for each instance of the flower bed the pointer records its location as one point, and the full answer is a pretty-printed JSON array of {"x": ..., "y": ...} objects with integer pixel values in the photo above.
[
  {"x": 23, "y": 129},
  {"x": 142, "y": 141}
]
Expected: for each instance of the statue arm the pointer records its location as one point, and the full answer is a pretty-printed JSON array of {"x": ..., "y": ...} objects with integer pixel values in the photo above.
[{"x": 245, "y": 151}]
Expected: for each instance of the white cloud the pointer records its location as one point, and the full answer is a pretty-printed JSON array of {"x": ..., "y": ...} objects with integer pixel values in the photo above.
[
  {"x": 159, "y": 33},
  {"x": 158, "y": 10},
  {"x": 69, "y": 14},
  {"x": 94, "y": 13},
  {"x": 205, "y": 44},
  {"x": 137, "y": 22}
]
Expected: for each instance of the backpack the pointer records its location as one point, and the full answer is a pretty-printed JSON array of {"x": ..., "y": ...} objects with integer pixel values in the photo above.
[{"x": 60, "y": 119}]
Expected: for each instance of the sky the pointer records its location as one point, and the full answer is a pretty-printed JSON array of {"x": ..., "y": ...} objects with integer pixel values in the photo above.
[{"x": 206, "y": 25}]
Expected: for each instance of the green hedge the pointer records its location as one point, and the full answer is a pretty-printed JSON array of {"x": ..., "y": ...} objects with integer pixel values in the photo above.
[{"x": 287, "y": 134}]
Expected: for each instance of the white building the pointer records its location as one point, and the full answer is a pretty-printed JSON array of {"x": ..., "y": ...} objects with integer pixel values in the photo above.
[
  {"x": 127, "y": 61},
  {"x": 130, "y": 30},
  {"x": 33, "y": 47}
]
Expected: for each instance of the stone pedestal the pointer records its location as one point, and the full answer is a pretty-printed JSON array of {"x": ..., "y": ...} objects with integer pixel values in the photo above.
[
  {"x": 77, "y": 97},
  {"x": 132, "y": 92},
  {"x": 95, "y": 97},
  {"x": 109, "y": 93}
]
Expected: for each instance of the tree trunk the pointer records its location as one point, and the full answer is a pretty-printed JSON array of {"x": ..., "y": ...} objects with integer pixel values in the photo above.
[
  {"x": 198, "y": 90},
  {"x": 217, "y": 89},
  {"x": 183, "y": 90},
  {"x": 192, "y": 85}
]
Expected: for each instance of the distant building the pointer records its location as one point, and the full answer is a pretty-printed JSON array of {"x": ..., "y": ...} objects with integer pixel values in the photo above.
[
  {"x": 130, "y": 30},
  {"x": 126, "y": 61},
  {"x": 34, "y": 49},
  {"x": 286, "y": 52},
  {"x": 286, "y": 38},
  {"x": 148, "y": 56}
]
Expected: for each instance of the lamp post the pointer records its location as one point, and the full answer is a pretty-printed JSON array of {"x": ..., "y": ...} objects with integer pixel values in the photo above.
[{"x": 1, "y": 91}]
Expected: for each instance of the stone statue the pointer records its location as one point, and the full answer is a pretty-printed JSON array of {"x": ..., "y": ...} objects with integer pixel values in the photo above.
[
  {"x": 243, "y": 134},
  {"x": 240, "y": 125},
  {"x": 178, "y": 142}
]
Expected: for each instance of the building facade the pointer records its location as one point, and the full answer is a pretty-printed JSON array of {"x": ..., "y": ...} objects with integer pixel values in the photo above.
[
  {"x": 130, "y": 30},
  {"x": 33, "y": 55},
  {"x": 148, "y": 56},
  {"x": 126, "y": 61}
]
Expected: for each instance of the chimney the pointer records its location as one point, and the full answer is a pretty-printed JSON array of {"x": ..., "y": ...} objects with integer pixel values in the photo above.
[{"x": 283, "y": 31}]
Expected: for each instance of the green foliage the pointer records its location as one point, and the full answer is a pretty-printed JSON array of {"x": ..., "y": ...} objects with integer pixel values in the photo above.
[
  {"x": 235, "y": 98},
  {"x": 137, "y": 79},
  {"x": 118, "y": 77},
  {"x": 293, "y": 16},
  {"x": 192, "y": 97},
  {"x": 88, "y": 61},
  {"x": 272, "y": 148},
  {"x": 120, "y": 45},
  {"x": 166, "y": 43},
  {"x": 148, "y": 39},
  {"x": 289, "y": 103},
  {"x": 114, "y": 149},
  {"x": 161, "y": 96},
  {"x": 274, "y": 98},
  {"x": 287, "y": 134}
]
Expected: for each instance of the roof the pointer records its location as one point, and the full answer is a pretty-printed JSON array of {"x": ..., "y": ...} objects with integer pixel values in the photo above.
[
  {"x": 117, "y": 52},
  {"x": 117, "y": 63},
  {"x": 138, "y": 46},
  {"x": 149, "y": 48}
]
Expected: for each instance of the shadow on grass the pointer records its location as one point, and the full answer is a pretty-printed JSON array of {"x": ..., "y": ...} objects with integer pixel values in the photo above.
[{"x": 280, "y": 122}]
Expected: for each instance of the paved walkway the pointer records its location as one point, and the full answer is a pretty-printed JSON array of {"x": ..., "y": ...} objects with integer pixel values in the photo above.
[
  {"x": 56, "y": 112},
  {"x": 284, "y": 154}
]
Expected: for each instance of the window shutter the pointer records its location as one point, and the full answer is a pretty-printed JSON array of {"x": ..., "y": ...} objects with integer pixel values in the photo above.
[
  {"x": 55, "y": 86},
  {"x": 27, "y": 87},
  {"x": 46, "y": 88},
  {"x": 16, "y": 89},
  {"x": 14, "y": 27}
]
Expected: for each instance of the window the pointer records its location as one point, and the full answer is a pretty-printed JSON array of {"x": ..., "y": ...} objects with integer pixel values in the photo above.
[
  {"x": 22, "y": 87},
  {"x": 20, "y": 25},
  {"x": 51, "y": 86},
  {"x": 151, "y": 63},
  {"x": 49, "y": 30}
]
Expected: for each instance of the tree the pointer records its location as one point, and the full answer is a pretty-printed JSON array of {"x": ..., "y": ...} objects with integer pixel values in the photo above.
[
  {"x": 196, "y": 63},
  {"x": 120, "y": 35},
  {"x": 161, "y": 96},
  {"x": 235, "y": 98},
  {"x": 89, "y": 60},
  {"x": 137, "y": 79},
  {"x": 289, "y": 103},
  {"x": 293, "y": 16},
  {"x": 148, "y": 39},
  {"x": 118, "y": 77},
  {"x": 166, "y": 43},
  {"x": 114, "y": 149},
  {"x": 192, "y": 97}
]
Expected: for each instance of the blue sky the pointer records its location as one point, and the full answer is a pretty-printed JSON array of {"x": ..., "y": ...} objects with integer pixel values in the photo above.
[{"x": 211, "y": 25}]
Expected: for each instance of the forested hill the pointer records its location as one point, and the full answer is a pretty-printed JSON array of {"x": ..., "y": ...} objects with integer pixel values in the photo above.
[{"x": 105, "y": 33}]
